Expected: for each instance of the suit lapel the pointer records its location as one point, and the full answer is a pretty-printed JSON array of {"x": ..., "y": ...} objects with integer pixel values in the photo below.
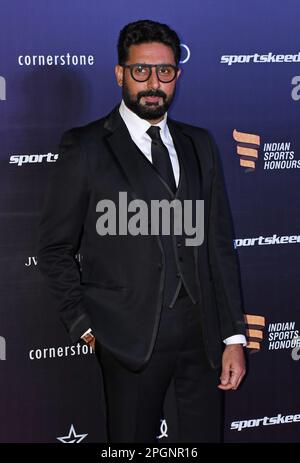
[
  {"x": 187, "y": 159},
  {"x": 125, "y": 152}
]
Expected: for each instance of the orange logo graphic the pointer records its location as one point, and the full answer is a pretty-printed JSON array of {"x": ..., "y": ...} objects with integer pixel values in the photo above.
[
  {"x": 254, "y": 330},
  {"x": 247, "y": 149}
]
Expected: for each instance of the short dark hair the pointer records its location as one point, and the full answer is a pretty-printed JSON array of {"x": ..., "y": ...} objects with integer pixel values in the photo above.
[{"x": 146, "y": 31}]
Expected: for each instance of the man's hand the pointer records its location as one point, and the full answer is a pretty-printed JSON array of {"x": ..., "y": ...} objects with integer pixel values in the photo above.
[
  {"x": 233, "y": 367},
  {"x": 90, "y": 340},
  {"x": 92, "y": 344}
]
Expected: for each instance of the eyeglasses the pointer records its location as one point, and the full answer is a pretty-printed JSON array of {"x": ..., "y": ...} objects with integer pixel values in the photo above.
[{"x": 142, "y": 72}]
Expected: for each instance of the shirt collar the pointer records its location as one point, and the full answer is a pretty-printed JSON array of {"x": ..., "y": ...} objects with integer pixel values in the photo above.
[{"x": 136, "y": 124}]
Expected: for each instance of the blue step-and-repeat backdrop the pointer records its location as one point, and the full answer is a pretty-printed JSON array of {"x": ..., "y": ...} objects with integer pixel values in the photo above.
[{"x": 241, "y": 80}]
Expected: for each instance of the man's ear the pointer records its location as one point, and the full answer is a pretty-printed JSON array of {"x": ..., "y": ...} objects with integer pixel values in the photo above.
[{"x": 119, "y": 75}]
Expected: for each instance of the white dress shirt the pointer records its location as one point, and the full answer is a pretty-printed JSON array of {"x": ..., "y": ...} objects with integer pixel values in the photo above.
[{"x": 137, "y": 128}]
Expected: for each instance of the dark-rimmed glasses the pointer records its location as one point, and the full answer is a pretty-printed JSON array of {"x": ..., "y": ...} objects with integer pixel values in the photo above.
[{"x": 141, "y": 72}]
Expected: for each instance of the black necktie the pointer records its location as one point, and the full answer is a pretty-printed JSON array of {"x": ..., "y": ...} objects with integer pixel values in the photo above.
[{"x": 160, "y": 157}]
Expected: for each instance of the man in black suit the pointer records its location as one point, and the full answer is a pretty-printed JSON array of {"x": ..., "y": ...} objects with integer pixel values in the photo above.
[{"x": 154, "y": 308}]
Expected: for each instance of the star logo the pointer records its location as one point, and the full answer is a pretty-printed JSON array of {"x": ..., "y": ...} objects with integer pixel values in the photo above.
[{"x": 72, "y": 437}]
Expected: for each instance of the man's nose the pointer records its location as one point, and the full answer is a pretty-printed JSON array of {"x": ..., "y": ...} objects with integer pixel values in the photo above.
[{"x": 153, "y": 81}]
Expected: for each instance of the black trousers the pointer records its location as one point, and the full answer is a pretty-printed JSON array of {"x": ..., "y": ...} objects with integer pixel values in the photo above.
[{"x": 134, "y": 400}]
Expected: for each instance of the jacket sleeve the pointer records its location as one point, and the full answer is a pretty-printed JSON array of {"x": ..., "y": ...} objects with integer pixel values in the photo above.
[
  {"x": 59, "y": 235},
  {"x": 223, "y": 255}
]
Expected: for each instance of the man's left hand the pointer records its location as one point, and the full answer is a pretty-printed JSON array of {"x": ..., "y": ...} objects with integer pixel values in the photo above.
[
  {"x": 233, "y": 367},
  {"x": 90, "y": 340}
]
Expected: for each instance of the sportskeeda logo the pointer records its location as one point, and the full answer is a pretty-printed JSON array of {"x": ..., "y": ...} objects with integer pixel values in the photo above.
[
  {"x": 265, "y": 421},
  {"x": 258, "y": 58},
  {"x": 266, "y": 240},
  {"x": 21, "y": 159}
]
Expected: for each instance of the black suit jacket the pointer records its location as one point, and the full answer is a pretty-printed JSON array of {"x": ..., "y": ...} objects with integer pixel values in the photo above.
[{"x": 119, "y": 291}]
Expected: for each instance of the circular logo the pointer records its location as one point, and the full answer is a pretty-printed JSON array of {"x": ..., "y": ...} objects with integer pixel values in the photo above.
[{"x": 187, "y": 53}]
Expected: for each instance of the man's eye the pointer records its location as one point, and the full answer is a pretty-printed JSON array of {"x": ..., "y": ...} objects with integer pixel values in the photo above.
[
  {"x": 141, "y": 70},
  {"x": 164, "y": 70}
]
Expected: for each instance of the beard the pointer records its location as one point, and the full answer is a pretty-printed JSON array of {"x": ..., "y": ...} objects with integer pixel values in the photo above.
[{"x": 147, "y": 110}]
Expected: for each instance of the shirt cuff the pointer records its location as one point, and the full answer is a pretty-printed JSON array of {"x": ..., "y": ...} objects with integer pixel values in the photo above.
[
  {"x": 89, "y": 331},
  {"x": 236, "y": 339}
]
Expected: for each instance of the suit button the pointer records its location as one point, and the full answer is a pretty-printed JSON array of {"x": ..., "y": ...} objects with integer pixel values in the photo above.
[
  {"x": 180, "y": 258},
  {"x": 159, "y": 266},
  {"x": 179, "y": 245},
  {"x": 178, "y": 275}
]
